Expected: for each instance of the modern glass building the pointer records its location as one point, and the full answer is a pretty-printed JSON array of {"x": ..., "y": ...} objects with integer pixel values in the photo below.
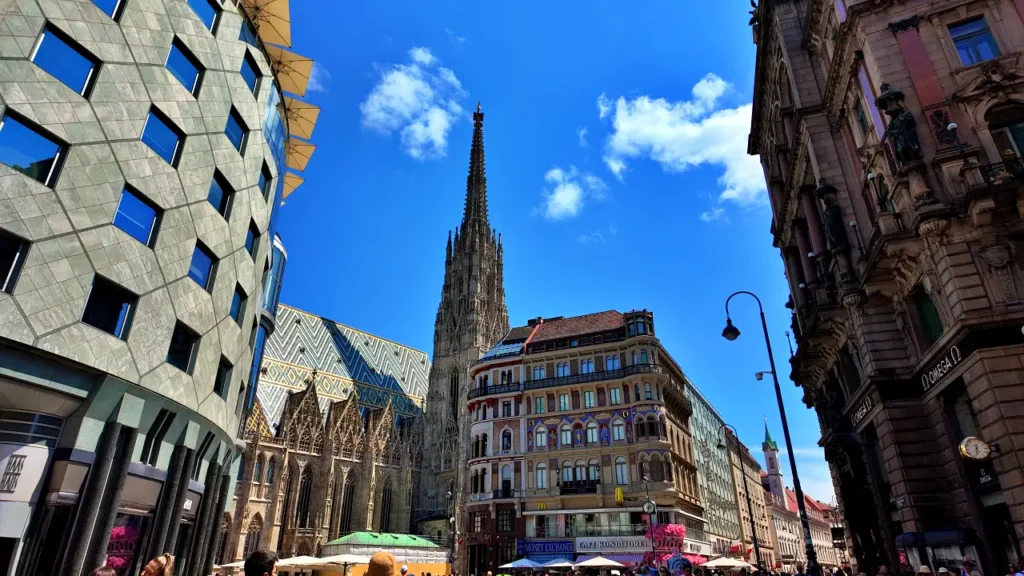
[
  {"x": 714, "y": 474},
  {"x": 144, "y": 147}
]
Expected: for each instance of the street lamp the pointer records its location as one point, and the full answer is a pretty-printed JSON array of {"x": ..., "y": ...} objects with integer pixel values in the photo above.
[
  {"x": 451, "y": 527},
  {"x": 750, "y": 508},
  {"x": 651, "y": 508},
  {"x": 732, "y": 333}
]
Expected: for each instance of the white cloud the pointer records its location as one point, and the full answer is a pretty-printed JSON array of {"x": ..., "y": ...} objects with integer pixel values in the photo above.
[
  {"x": 592, "y": 238},
  {"x": 319, "y": 78},
  {"x": 422, "y": 56},
  {"x": 715, "y": 213},
  {"x": 581, "y": 133},
  {"x": 568, "y": 192},
  {"x": 458, "y": 40},
  {"x": 604, "y": 106},
  {"x": 418, "y": 99},
  {"x": 685, "y": 134}
]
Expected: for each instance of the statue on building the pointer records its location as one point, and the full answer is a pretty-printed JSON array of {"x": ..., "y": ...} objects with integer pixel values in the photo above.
[
  {"x": 832, "y": 216},
  {"x": 902, "y": 130}
]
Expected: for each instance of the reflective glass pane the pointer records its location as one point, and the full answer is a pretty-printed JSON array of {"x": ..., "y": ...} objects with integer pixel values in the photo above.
[
  {"x": 184, "y": 66},
  {"x": 237, "y": 301},
  {"x": 201, "y": 268},
  {"x": 250, "y": 241},
  {"x": 162, "y": 137},
  {"x": 206, "y": 11},
  {"x": 264, "y": 181},
  {"x": 220, "y": 195},
  {"x": 27, "y": 151},
  {"x": 236, "y": 130},
  {"x": 136, "y": 217},
  {"x": 109, "y": 307},
  {"x": 247, "y": 34},
  {"x": 250, "y": 72},
  {"x": 68, "y": 63}
]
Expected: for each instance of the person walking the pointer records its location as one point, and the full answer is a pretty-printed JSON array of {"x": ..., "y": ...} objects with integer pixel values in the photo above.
[
  {"x": 160, "y": 566},
  {"x": 261, "y": 563},
  {"x": 970, "y": 567}
]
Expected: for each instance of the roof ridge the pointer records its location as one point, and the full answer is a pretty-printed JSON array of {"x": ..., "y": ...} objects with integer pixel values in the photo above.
[{"x": 354, "y": 329}]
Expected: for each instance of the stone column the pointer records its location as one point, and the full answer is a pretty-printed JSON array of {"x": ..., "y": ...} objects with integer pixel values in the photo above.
[
  {"x": 112, "y": 497},
  {"x": 803, "y": 245},
  {"x": 199, "y": 534},
  {"x": 813, "y": 216},
  {"x": 89, "y": 502},
  {"x": 796, "y": 276},
  {"x": 213, "y": 528},
  {"x": 174, "y": 519},
  {"x": 166, "y": 513}
]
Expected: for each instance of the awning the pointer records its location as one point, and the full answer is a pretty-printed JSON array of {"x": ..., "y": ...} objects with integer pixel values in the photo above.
[
  {"x": 695, "y": 559},
  {"x": 272, "y": 19},
  {"x": 301, "y": 117},
  {"x": 291, "y": 70},
  {"x": 291, "y": 182},
  {"x": 297, "y": 153},
  {"x": 545, "y": 558},
  {"x": 627, "y": 559}
]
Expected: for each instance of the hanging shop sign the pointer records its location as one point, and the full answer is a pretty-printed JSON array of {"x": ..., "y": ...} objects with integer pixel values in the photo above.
[
  {"x": 22, "y": 468},
  {"x": 939, "y": 370},
  {"x": 980, "y": 339},
  {"x": 620, "y": 544}
]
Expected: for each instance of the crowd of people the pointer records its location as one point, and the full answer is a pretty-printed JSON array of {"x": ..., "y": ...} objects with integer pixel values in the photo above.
[{"x": 264, "y": 563}]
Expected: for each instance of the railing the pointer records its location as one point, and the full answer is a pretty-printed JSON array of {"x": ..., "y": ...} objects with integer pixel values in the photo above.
[
  {"x": 621, "y": 530},
  {"x": 582, "y": 487},
  {"x": 1012, "y": 170},
  {"x": 499, "y": 389},
  {"x": 592, "y": 376}
]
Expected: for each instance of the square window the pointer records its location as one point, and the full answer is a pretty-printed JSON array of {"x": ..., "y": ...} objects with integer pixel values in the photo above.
[
  {"x": 238, "y": 304},
  {"x": 163, "y": 137},
  {"x": 202, "y": 267},
  {"x": 974, "y": 41},
  {"x": 264, "y": 181},
  {"x": 208, "y": 11},
  {"x": 220, "y": 384},
  {"x": 12, "y": 256},
  {"x": 182, "y": 352},
  {"x": 185, "y": 66},
  {"x": 252, "y": 240},
  {"x": 112, "y": 8},
  {"x": 30, "y": 150},
  {"x": 137, "y": 216},
  {"x": 236, "y": 130},
  {"x": 109, "y": 307},
  {"x": 250, "y": 72},
  {"x": 221, "y": 194},
  {"x": 65, "y": 60}
]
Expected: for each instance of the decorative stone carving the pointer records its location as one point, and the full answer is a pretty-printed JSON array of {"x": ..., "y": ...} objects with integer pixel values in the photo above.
[
  {"x": 904, "y": 25},
  {"x": 832, "y": 216},
  {"x": 939, "y": 119},
  {"x": 933, "y": 228},
  {"x": 995, "y": 79},
  {"x": 902, "y": 130},
  {"x": 997, "y": 258}
]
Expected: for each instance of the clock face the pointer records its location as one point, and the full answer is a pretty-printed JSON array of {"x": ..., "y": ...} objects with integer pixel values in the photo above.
[
  {"x": 648, "y": 507},
  {"x": 975, "y": 448}
]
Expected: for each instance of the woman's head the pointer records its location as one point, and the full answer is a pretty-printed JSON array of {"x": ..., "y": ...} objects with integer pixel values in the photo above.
[
  {"x": 159, "y": 566},
  {"x": 103, "y": 571}
]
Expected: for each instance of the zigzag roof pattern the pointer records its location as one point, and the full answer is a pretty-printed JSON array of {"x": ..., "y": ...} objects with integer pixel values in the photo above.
[{"x": 346, "y": 360}]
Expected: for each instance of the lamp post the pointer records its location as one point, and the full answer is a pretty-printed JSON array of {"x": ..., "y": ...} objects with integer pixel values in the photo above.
[
  {"x": 731, "y": 333},
  {"x": 652, "y": 509},
  {"x": 746, "y": 491},
  {"x": 451, "y": 528}
]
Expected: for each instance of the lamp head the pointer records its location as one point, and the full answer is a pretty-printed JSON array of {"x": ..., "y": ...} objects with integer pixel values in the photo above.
[
  {"x": 646, "y": 478},
  {"x": 721, "y": 445},
  {"x": 730, "y": 332},
  {"x": 952, "y": 126},
  {"x": 759, "y": 376}
]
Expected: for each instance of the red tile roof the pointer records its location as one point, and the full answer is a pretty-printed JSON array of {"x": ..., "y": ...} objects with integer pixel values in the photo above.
[{"x": 578, "y": 326}]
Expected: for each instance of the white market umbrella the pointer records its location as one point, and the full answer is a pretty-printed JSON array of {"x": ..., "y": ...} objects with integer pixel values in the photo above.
[
  {"x": 599, "y": 562},
  {"x": 297, "y": 562},
  {"x": 339, "y": 562},
  {"x": 522, "y": 563},
  {"x": 725, "y": 562},
  {"x": 229, "y": 568},
  {"x": 558, "y": 563}
]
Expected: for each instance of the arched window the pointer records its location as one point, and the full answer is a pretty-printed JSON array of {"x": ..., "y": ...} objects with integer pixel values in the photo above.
[
  {"x": 305, "y": 494},
  {"x": 385, "y": 507},
  {"x": 593, "y": 470},
  {"x": 502, "y": 378},
  {"x": 565, "y": 436},
  {"x": 476, "y": 446},
  {"x": 453, "y": 392},
  {"x": 643, "y": 468},
  {"x": 483, "y": 445},
  {"x": 241, "y": 468},
  {"x": 668, "y": 470},
  {"x": 506, "y": 441},
  {"x": 581, "y": 470},
  {"x": 541, "y": 437},
  {"x": 506, "y": 481},
  {"x": 338, "y": 509},
  {"x": 592, "y": 433},
  {"x": 257, "y": 475},
  {"x": 634, "y": 358},
  {"x": 652, "y": 426},
  {"x": 1006, "y": 123},
  {"x": 618, "y": 430},
  {"x": 643, "y": 356},
  {"x": 305, "y": 441},
  {"x": 928, "y": 316},
  {"x": 662, "y": 427},
  {"x": 647, "y": 391},
  {"x": 542, "y": 476},
  {"x": 253, "y": 534},
  {"x": 621, "y": 471},
  {"x": 636, "y": 392},
  {"x": 318, "y": 444},
  {"x": 566, "y": 472},
  {"x": 657, "y": 470},
  {"x": 641, "y": 428}
]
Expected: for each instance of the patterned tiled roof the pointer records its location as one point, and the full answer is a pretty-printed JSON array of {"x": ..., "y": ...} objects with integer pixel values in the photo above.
[
  {"x": 346, "y": 360},
  {"x": 518, "y": 334},
  {"x": 578, "y": 325}
]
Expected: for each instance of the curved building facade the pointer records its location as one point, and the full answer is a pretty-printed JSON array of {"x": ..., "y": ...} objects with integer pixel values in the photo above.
[{"x": 144, "y": 146}]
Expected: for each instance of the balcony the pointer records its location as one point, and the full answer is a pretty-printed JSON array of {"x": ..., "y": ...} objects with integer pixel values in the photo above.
[
  {"x": 579, "y": 487},
  {"x": 1010, "y": 171},
  {"x": 592, "y": 376},
  {"x": 506, "y": 493},
  {"x": 499, "y": 389}
]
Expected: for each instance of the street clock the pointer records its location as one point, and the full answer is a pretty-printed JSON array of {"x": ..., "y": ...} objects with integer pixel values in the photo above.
[
  {"x": 649, "y": 507},
  {"x": 975, "y": 448}
]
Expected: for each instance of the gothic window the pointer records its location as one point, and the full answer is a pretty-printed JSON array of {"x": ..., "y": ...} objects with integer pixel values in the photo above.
[
  {"x": 286, "y": 510},
  {"x": 270, "y": 470},
  {"x": 305, "y": 441},
  {"x": 257, "y": 475},
  {"x": 618, "y": 430},
  {"x": 385, "y": 507},
  {"x": 241, "y": 467},
  {"x": 318, "y": 444},
  {"x": 542, "y": 476},
  {"x": 346, "y": 503},
  {"x": 253, "y": 534},
  {"x": 302, "y": 519},
  {"x": 453, "y": 393},
  {"x": 1006, "y": 123},
  {"x": 928, "y": 316},
  {"x": 337, "y": 496},
  {"x": 348, "y": 447}
]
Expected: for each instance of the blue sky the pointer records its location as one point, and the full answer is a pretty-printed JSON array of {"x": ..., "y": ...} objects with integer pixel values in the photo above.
[{"x": 615, "y": 138}]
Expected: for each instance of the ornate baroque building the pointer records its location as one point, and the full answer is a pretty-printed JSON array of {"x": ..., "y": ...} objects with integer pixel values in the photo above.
[
  {"x": 330, "y": 448},
  {"x": 470, "y": 319},
  {"x": 891, "y": 136}
]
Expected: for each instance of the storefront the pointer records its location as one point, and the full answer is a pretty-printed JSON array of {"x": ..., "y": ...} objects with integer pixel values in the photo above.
[
  {"x": 546, "y": 550},
  {"x": 22, "y": 468},
  {"x": 628, "y": 550}
]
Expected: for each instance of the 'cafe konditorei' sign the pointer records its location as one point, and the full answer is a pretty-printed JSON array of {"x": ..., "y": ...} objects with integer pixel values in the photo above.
[
  {"x": 613, "y": 544},
  {"x": 941, "y": 368}
]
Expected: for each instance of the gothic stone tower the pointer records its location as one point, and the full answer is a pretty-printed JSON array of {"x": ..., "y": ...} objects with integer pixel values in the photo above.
[{"x": 470, "y": 319}]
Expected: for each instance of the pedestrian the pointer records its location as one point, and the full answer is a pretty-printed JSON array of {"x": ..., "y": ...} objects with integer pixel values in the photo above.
[
  {"x": 103, "y": 571},
  {"x": 924, "y": 570},
  {"x": 382, "y": 564},
  {"x": 970, "y": 567},
  {"x": 261, "y": 563},
  {"x": 160, "y": 566}
]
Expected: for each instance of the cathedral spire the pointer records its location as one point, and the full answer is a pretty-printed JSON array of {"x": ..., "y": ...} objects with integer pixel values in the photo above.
[{"x": 476, "y": 182}]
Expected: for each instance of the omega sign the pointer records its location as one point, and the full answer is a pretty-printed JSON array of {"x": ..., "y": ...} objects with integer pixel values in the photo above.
[
  {"x": 862, "y": 411},
  {"x": 941, "y": 368}
]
